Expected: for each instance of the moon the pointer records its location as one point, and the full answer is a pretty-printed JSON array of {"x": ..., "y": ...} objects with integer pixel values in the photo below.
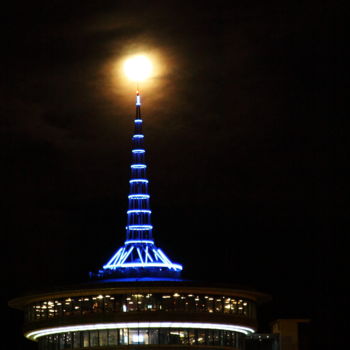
[{"x": 138, "y": 68}]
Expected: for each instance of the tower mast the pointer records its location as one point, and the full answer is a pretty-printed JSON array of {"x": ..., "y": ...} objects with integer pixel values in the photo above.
[
  {"x": 139, "y": 228},
  {"x": 139, "y": 254}
]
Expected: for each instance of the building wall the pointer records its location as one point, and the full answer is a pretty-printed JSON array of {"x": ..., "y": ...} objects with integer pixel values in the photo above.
[
  {"x": 288, "y": 330},
  {"x": 148, "y": 314}
]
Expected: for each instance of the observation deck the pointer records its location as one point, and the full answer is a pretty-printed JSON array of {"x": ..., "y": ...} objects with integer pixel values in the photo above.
[{"x": 141, "y": 313}]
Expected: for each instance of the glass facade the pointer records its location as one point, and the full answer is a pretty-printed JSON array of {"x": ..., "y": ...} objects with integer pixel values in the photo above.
[
  {"x": 118, "y": 303},
  {"x": 151, "y": 336}
]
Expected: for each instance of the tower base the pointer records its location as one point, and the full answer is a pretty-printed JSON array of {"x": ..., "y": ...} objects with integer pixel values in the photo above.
[{"x": 140, "y": 258}]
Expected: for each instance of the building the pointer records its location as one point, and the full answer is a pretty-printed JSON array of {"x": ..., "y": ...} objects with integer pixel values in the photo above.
[
  {"x": 262, "y": 341},
  {"x": 293, "y": 333},
  {"x": 138, "y": 298}
]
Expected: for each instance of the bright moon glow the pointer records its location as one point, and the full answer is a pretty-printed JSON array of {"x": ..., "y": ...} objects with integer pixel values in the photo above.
[{"x": 138, "y": 68}]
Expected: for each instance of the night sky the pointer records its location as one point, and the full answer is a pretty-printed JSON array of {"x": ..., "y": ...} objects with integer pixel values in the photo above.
[{"x": 238, "y": 135}]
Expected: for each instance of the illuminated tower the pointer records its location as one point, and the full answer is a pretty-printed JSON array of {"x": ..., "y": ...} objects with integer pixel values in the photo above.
[
  {"x": 139, "y": 255},
  {"x": 138, "y": 301}
]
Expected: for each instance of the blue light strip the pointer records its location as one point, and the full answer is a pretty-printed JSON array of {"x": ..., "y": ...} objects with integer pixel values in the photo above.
[
  {"x": 138, "y": 120},
  {"x": 122, "y": 260},
  {"x": 115, "y": 257},
  {"x": 138, "y": 166},
  {"x": 147, "y": 255},
  {"x": 139, "y": 180},
  {"x": 137, "y": 211},
  {"x": 138, "y": 196},
  {"x": 138, "y": 151},
  {"x": 139, "y": 227},
  {"x": 140, "y": 255},
  {"x": 164, "y": 257},
  {"x": 161, "y": 258},
  {"x": 138, "y": 136},
  {"x": 139, "y": 241},
  {"x": 172, "y": 266}
]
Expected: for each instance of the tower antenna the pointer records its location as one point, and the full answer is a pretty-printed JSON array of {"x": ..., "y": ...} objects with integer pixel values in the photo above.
[{"x": 139, "y": 255}]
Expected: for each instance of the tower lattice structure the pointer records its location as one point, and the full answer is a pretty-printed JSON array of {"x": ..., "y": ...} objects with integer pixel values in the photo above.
[{"x": 139, "y": 255}]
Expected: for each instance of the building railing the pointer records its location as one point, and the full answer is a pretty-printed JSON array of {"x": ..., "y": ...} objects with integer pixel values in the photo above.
[{"x": 145, "y": 302}]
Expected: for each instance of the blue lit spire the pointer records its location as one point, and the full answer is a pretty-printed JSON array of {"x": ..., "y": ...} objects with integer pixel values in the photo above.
[{"x": 139, "y": 255}]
